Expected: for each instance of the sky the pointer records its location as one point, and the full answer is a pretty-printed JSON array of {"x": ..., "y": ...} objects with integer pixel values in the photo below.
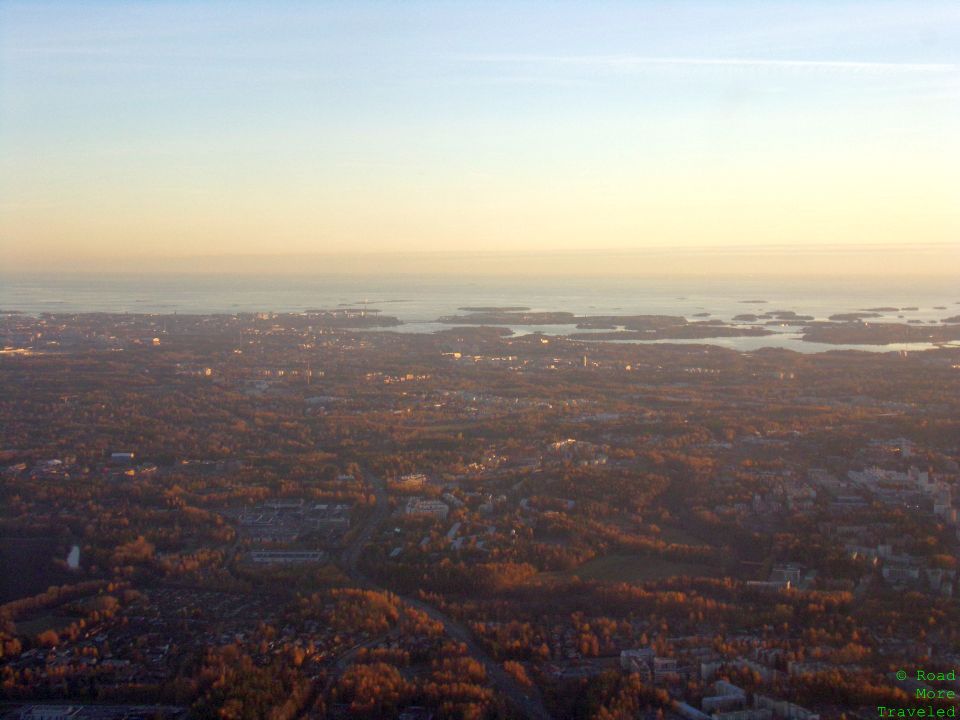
[{"x": 154, "y": 132}]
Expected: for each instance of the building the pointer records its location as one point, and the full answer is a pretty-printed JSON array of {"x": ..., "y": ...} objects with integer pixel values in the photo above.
[
  {"x": 783, "y": 709},
  {"x": 791, "y": 574},
  {"x": 648, "y": 665},
  {"x": 413, "y": 481},
  {"x": 284, "y": 504},
  {"x": 689, "y": 712},
  {"x": 49, "y": 712},
  {"x": 637, "y": 661},
  {"x": 274, "y": 557},
  {"x": 331, "y": 517},
  {"x": 769, "y": 585},
  {"x": 422, "y": 506},
  {"x": 665, "y": 669},
  {"x": 726, "y": 697}
]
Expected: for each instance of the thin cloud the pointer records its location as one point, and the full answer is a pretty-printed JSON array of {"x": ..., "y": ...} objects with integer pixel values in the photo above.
[
  {"x": 63, "y": 50},
  {"x": 627, "y": 63}
]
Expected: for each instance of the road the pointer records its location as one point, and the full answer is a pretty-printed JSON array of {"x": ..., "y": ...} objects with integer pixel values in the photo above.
[{"x": 528, "y": 701}]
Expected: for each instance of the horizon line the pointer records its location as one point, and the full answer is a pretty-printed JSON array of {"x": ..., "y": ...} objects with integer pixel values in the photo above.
[{"x": 785, "y": 248}]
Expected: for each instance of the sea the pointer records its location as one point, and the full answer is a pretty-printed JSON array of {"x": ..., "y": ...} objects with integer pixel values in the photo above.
[{"x": 420, "y": 300}]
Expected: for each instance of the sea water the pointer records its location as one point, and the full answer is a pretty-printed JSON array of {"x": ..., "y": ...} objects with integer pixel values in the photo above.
[{"x": 418, "y": 301}]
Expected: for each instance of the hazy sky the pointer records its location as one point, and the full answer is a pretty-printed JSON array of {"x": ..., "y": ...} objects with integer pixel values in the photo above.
[{"x": 179, "y": 128}]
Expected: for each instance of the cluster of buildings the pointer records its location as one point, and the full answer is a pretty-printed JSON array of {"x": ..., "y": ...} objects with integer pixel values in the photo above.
[
  {"x": 904, "y": 570},
  {"x": 409, "y": 482},
  {"x": 730, "y": 702},
  {"x": 119, "y": 465},
  {"x": 285, "y": 520},
  {"x": 426, "y": 506},
  {"x": 785, "y": 576},
  {"x": 914, "y": 488},
  {"x": 148, "y": 641},
  {"x": 725, "y": 700},
  {"x": 286, "y": 557},
  {"x": 45, "y": 470},
  {"x": 780, "y": 492},
  {"x": 646, "y": 663},
  {"x": 578, "y": 451}
]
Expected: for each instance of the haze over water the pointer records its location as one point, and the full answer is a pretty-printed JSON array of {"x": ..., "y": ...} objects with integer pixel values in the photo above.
[{"x": 418, "y": 301}]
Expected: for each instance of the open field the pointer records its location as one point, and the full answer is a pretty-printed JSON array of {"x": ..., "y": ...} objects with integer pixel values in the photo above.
[
  {"x": 636, "y": 569},
  {"x": 28, "y": 567},
  {"x": 45, "y": 622}
]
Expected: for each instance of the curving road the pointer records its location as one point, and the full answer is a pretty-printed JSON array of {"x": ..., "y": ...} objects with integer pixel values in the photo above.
[{"x": 528, "y": 701}]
